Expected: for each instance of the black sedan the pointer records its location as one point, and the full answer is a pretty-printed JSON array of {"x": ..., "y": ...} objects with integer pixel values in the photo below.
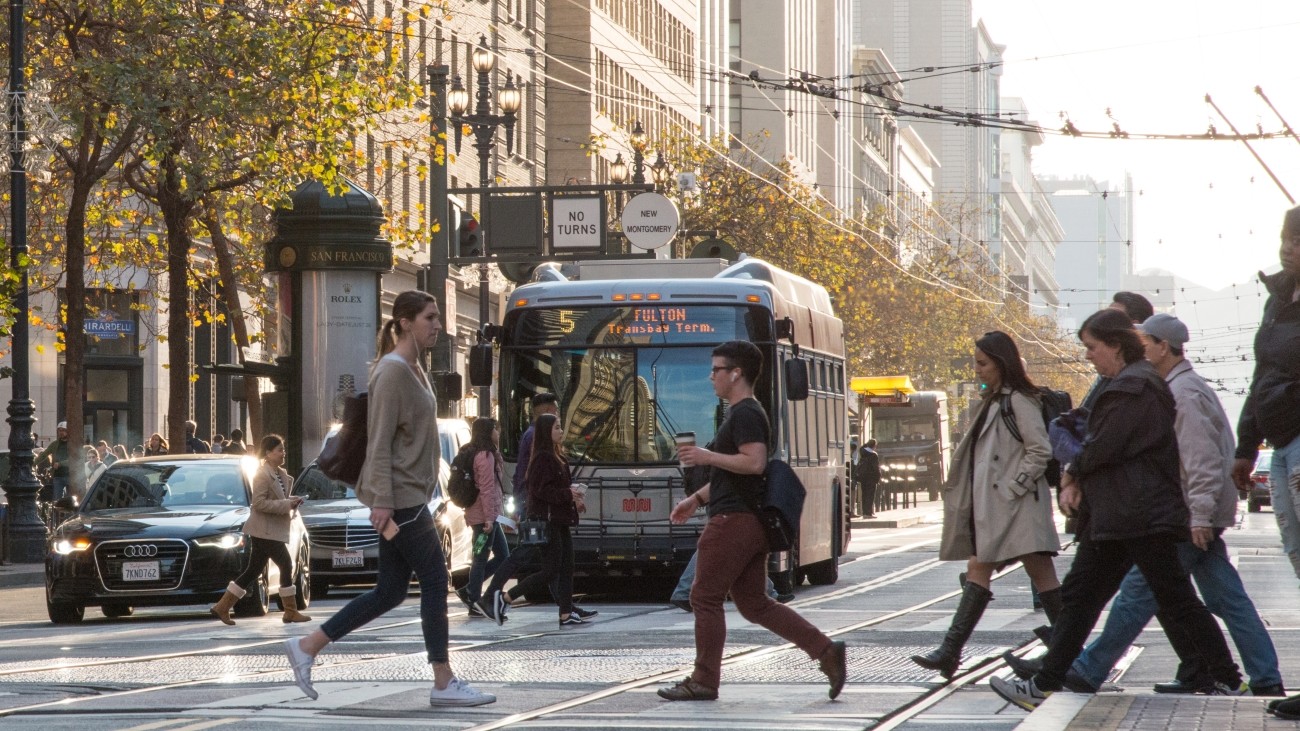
[{"x": 162, "y": 531}]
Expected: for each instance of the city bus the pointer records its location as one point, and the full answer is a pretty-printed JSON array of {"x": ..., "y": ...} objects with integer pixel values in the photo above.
[{"x": 625, "y": 347}]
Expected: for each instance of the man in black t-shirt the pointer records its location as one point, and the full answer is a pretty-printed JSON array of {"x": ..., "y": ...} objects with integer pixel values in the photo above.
[{"x": 731, "y": 556}]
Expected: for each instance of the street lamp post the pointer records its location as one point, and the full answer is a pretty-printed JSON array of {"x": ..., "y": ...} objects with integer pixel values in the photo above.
[
  {"x": 24, "y": 530},
  {"x": 638, "y": 141},
  {"x": 484, "y": 123},
  {"x": 661, "y": 172},
  {"x": 618, "y": 176}
]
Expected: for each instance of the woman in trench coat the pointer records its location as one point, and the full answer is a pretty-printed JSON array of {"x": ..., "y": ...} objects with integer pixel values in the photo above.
[{"x": 997, "y": 503}]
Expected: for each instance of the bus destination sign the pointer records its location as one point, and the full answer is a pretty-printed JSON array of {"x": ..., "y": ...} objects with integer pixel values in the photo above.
[
  {"x": 642, "y": 324},
  {"x": 660, "y": 321}
]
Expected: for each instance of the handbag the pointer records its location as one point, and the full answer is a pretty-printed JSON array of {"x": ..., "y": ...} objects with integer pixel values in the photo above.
[
  {"x": 534, "y": 532},
  {"x": 344, "y": 454},
  {"x": 780, "y": 506}
]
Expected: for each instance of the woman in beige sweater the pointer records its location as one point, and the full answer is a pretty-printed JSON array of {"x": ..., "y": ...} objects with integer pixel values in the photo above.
[
  {"x": 397, "y": 481},
  {"x": 268, "y": 530}
]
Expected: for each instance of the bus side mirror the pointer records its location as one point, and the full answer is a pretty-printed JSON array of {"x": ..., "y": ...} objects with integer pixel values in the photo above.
[
  {"x": 480, "y": 364},
  {"x": 796, "y": 379}
]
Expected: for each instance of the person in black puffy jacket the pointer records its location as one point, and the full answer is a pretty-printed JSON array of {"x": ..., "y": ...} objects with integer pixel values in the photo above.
[
  {"x": 1272, "y": 408},
  {"x": 1125, "y": 486}
]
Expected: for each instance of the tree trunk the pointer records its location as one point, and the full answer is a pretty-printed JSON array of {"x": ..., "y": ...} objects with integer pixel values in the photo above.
[
  {"x": 230, "y": 293},
  {"x": 74, "y": 338},
  {"x": 176, "y": 208}
]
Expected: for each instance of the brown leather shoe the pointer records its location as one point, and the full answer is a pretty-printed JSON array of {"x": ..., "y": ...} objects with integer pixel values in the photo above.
[
  {"x": 689, "y": 690},
  {"x": 834, "y": 662}
]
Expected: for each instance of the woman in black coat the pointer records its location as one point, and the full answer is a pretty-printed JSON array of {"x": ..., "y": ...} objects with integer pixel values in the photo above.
[
  {"x": 551, "y": 497},
  {"x": 1125, "y": 487}
]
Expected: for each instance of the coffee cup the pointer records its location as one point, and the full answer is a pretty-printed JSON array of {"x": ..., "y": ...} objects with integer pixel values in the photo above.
[{"x": 684, "y": 439}]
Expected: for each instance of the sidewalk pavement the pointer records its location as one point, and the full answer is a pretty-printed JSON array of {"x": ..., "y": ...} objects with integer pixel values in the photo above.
[
  {"x": 21, "y": 574},
  {"x": 925, "y": 512}
]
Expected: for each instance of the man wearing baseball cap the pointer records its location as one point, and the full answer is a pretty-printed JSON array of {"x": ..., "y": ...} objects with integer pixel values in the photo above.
[
  {"x": 1205, "y": 448},
  {"x": 56, "y": 456}
]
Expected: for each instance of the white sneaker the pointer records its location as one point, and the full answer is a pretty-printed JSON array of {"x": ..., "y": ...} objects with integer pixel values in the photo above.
[
  {"x": 458, "y": 693},
  {"x": 1023, "y": 693},
  {"x": 301, "y": 663}
]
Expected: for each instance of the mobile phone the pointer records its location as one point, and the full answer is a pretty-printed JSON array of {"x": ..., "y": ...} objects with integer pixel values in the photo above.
[{"x": 390, "y": 530}]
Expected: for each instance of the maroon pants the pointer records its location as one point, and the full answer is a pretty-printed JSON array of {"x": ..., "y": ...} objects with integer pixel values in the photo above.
[{"x": 732, "y": 557}]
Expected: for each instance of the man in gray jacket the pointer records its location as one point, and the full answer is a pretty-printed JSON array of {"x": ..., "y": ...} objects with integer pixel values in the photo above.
[{"x": 1205, "y": 447}]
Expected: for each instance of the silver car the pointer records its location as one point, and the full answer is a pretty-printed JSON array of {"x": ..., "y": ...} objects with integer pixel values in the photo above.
[{"x": 344, "y": 546}]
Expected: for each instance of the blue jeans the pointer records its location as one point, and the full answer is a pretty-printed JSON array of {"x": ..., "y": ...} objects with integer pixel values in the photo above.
[
  {"x": 1224, "y": 596},
  {"x": 480, "y": 567},
  {"x": 682, "y": 592},
  {"x": 1286, "y": 504},
  {"x": 414, "y": 550}
]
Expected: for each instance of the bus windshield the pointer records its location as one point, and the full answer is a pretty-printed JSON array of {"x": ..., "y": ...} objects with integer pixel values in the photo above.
[{"x": 623, "y": 389}]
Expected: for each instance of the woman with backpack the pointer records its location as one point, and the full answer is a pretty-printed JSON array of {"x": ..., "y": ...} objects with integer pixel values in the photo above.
[
  {"x": 481, "y": 516},
  {"x": 397, "y": 481},
  {"x": 552, "y": 498},
  {"x": 997, "y": 503}
]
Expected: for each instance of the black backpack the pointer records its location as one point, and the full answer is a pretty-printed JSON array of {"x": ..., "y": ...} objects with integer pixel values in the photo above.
[
  {"x": 1052, "y": 403},
  {"x": 461, "y": 488}
]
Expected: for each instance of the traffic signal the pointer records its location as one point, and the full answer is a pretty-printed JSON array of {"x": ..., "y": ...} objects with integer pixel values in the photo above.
[{"x": 469, "y": 238}]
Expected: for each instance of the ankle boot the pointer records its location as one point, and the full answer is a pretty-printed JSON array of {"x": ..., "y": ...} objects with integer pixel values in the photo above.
[
  {"x": 221, "y": 610},
  {"x": 1052, "y": 604},
  {"x": 289, "y": 600},
  {"x": 947, "y": 658}
]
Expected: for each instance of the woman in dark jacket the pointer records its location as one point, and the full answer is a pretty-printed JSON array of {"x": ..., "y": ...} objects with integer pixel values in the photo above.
[
  {"x": 1125, "y": 486},
  {"x": 551, "y": 497}
]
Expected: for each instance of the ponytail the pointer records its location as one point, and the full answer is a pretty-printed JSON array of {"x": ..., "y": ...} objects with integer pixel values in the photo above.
[{"x": 387, "y": 339}]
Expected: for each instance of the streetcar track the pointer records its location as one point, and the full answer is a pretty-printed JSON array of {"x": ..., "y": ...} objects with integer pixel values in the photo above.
[
  {"x": 990, "y": 665},
  {"x": 983, "y": 669}
]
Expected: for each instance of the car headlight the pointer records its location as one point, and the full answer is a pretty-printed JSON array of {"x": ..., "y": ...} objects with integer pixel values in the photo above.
[
  {"x": 920, "y": 460},
  {"x": 510, "y": 505},
  {"x": 64, "y": 546},
  {"x": 224, "y": 540}
]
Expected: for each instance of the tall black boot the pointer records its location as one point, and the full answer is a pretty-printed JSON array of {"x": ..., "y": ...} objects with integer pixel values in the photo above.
[
  {"x": 1052, "y": 604},
  {"x": 947, "y": 658}
]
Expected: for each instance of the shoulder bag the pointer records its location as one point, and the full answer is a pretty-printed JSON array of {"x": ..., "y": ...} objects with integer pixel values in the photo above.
[{"x": 780, "y": 506}]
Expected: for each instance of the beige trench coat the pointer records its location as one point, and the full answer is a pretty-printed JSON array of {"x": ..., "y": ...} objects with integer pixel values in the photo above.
[
  {"x": 272, "y": 508},
  {"x": 1007, "y": 492}
]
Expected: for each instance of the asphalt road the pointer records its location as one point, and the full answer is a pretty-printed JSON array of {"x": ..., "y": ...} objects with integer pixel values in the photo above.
[{"x": 180, "y": 670}]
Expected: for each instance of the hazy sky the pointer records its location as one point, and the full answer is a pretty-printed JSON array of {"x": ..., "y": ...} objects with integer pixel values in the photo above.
[{"x": 1206, "y": 211}]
